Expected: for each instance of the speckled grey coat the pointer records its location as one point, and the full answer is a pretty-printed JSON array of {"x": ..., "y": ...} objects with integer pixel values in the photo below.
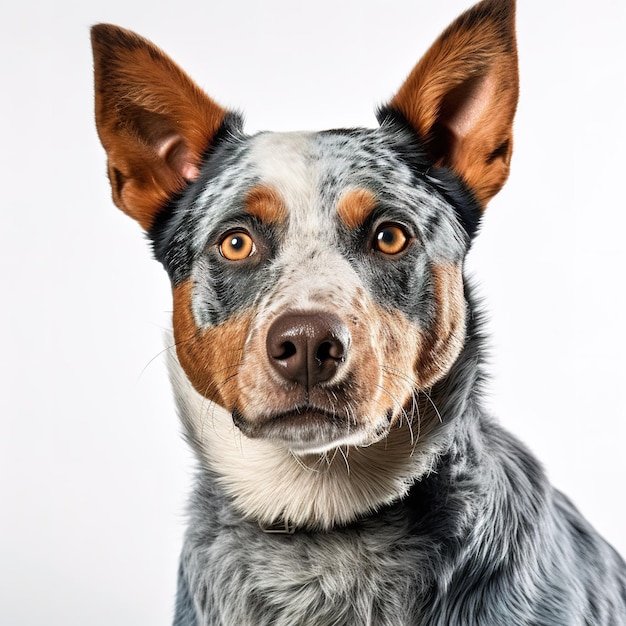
[{"x": 329, "y": 357}]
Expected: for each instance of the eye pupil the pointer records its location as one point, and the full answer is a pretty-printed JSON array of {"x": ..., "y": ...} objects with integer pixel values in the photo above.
[
  {"x": 387, "y": 236},
  {"x": 236, "y": 243}
]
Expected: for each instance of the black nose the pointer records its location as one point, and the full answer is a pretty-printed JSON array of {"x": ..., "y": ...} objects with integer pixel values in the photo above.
[{"x": 307, "y": 348}]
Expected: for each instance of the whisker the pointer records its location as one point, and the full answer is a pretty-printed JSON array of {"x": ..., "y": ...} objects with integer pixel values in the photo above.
[
  {"x": 345, "y": 457},
  {"x": 403, "y": 412},
  {"x": 415, "y": 411},
  {"x": 434, "y": 406},
  {"x": 303, "y": 465},
  {"x": 402, "y": 375},
  {"x": 160, "y": 353},
  {"x": 153, "y": 359}
]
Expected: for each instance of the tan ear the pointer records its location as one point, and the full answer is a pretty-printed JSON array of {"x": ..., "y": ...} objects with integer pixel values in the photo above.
[
  {"x": 154, "y": 122},
  {"x": 461, "y": 97}
]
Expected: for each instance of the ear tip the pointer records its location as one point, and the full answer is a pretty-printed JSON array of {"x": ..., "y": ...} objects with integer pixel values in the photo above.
[
  {"x": 507, "y": 9},
  {"x": 101, "y": 33},
  {"x": 500, "y": 11},
  {"x": 504, "y": 7},
  {"x": 495, "y": 16},
  {"x": 109, "y": 36}
]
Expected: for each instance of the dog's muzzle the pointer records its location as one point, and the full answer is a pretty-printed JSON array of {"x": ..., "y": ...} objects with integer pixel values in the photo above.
[{"x": 308, "y": 367}]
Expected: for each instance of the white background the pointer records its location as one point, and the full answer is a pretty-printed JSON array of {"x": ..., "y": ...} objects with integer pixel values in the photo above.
[{"x": 93, "y": 472}]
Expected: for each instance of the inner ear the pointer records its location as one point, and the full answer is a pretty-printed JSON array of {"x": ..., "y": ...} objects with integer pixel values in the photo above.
[
  {"x": 460, "y": 110},
  {"x": 157, "y": 132},
  {"x": 175, "y": 152}
]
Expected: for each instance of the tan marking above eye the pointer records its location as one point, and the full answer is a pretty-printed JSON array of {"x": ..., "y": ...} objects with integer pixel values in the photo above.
[
  {"x": 237, "y": 246},
  {"x": 265, "y": 203},
  {"x": 391, "y": 239},
  {"x": 355, "y": 206}
]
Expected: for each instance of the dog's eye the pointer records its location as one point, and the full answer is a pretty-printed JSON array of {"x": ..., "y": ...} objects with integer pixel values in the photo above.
[
  {"x": 391, "y": 239},
  {"x": 237, "y": 246}
]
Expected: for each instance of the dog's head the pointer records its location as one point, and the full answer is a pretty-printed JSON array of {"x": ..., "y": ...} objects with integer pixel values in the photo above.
[{"x": 317, "y": 277}]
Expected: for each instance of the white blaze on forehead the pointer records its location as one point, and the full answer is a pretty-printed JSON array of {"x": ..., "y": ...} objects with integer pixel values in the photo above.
[
  {"x": 314, "y": 273},
  {"x": 288, "y": 163},
  {"x": 284, "y": 161}
]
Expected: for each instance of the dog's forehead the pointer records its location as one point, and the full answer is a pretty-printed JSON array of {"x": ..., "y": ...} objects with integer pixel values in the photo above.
[
  {"x": 339, "y": 177},
  {"x": 308, "y": 167},
  {"x": 308, "y": 171},
  {"x": 285, "y": 161}
]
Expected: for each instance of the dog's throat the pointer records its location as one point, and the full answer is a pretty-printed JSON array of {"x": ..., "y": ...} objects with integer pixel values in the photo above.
[{"x": 270, "y": 483}]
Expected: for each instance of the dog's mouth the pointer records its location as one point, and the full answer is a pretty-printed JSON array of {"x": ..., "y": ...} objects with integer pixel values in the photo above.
[{"x": 307, "y": 429}]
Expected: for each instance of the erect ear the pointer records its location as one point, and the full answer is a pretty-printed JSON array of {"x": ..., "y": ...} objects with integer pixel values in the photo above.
[
  {"x": 461, "y": 97},
  {"x": 154, "y": 122}
]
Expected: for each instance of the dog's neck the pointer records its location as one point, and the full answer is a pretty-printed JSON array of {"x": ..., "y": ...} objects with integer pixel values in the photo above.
[{"x": 271, "y": 485}]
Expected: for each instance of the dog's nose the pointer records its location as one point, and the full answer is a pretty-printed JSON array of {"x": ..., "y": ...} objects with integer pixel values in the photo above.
[{"x": 307, "y": 348}]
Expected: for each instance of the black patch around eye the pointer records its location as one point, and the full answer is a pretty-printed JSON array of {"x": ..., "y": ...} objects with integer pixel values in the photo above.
[
  {"x": 395, "y": 282},
  {"x": 225, "y": 287},
  {"x": 400, "y": 284}
]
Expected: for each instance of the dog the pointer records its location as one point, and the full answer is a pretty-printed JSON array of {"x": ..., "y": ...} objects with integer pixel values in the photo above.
[{"x": 329, "y": 355}]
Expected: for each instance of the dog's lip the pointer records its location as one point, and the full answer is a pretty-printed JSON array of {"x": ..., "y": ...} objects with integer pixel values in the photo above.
[
  {"x": 306, "y": 412},
  {"x": 308, "y": 428},
  {"x": 301, "y": 425},
  {"x": 299, "y": 414}
]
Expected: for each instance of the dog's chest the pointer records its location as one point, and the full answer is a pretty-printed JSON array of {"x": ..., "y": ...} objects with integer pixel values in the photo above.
[{"x": 357, "y": 576}]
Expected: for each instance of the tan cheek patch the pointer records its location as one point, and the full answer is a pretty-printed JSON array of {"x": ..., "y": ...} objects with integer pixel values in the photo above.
[
  {"x": 210, "y": 357},
  {"x": 412, "y": 359},
  {"x": 442, "y": 343},
  {"x": 266, "y": 204},
  {"x": 397, "y": 343},
  {"x": 355, "y": 206}
]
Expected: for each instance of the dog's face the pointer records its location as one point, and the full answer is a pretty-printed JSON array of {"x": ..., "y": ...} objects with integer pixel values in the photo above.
[
  {"x": 317, "y": 277},
  {"x": 317, "y": 283}
]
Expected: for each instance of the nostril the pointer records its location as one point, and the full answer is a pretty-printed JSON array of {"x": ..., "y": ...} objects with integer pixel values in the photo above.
[
  {"x": 330, "y": 350},
  {"x": 323, "y": 352},
  {"x": 284, "y": 351}
]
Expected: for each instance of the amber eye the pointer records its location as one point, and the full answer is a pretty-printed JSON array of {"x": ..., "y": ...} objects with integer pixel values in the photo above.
[
  {"x": 391, "y": 239},
  {"x": 237, "y": 246}
]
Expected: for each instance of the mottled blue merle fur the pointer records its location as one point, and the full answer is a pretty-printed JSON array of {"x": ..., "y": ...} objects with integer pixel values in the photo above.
[{"x": 469, "y": 532}]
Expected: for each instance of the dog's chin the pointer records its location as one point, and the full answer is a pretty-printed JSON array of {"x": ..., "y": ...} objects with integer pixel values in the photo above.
[{"x": 306, "y": 430}]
